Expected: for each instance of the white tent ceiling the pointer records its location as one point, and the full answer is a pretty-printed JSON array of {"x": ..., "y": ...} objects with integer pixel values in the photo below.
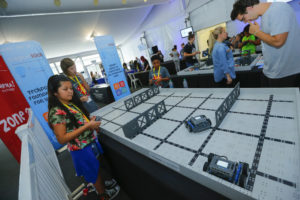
[
  {"x": 66, "y": 29},
  {"x": 19, "y": 7}
]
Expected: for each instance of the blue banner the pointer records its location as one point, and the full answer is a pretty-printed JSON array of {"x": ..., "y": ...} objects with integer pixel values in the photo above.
[
  {"x": 112, "y": 66},
  {"x": 30, "y": 68}
]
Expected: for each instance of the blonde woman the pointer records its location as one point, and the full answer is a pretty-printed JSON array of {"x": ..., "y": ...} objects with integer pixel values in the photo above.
[{"x": 224, "y": 73}]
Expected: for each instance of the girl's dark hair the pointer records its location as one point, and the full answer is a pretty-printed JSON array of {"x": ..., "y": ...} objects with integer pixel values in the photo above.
[
  {"x": 54, "y": 82},
  {"x": 246, "y": 29},
  {"x": 191, "y": 35}
]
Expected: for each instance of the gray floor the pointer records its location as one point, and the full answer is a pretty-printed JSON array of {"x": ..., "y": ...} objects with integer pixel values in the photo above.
[
  {"x": 73, "y": 181},
  {"x": 9, "y": 173}
]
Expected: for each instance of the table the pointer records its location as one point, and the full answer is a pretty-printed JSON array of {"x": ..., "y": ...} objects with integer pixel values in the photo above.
[
  {"x": 100, "y": 80},
  {"x": 204, "y": 69},
  {"x": 143, "y": 76},
  {"x": 261, "y": 129},
  {"x": 171, "y": 66}
]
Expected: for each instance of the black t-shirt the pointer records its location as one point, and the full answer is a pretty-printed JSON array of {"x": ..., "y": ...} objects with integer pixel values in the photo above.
[
  {"x": 190, "y": 48},
  {"x": 145, "y": 64}
]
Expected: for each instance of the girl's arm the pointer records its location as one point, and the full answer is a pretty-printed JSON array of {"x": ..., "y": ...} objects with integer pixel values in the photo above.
[{"x": 63, "y": 137}]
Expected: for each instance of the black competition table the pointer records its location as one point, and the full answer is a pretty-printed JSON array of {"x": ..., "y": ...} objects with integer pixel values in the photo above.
[
  {"x": 204, "y": 69},
  {"x": 164, "y": 160},
  {"x": 171, "y": 66},
  {"x": 144, "y": 76},
  {"x": 248, "y": 76}
]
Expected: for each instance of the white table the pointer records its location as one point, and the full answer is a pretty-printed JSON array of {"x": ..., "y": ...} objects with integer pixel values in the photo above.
[{"x": 272, "y": 153}]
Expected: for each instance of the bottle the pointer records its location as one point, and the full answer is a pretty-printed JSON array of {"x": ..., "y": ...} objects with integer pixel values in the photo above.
[
  {"x": 171, "y": 84},
  {"x": 185, "y": 84}
]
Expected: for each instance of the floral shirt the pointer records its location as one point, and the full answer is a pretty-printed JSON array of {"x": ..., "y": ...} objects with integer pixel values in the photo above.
[{"x": 59, "y": 116}]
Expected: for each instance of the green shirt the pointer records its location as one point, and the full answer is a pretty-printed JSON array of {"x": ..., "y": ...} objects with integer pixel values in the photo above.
[
  {"x": 249, "y": 46},
  {"x": 59, "y": 116}
]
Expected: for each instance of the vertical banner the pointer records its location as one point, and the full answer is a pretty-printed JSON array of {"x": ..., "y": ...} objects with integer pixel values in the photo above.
[
  {"x": 14, "y": 108},
  {"x": 30, "y": 68},
  {"x": 112, "y": 66}
]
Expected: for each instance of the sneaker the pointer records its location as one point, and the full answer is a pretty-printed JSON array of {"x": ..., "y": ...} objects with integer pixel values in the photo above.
[
  {"x": 110, "y": 184},
  {"x": 112, "y": 193}
]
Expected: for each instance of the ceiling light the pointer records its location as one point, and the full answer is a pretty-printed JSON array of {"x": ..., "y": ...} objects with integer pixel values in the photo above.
[
  {"x": 3, "y": 4},
  {"x": 145, "y": 1},
  {"x": 96, "y": 2},
  {"x": 57, "y": 3},
  {"x": 124, "y": 2},
  {"x": 92, "y": 36}
]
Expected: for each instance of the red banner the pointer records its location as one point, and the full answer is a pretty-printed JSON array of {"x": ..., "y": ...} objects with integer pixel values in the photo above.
[{"x": 14, "y": 109}]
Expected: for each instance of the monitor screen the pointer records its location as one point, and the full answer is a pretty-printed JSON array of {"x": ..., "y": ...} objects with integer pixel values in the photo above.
[{"x": 185, "y": 32}]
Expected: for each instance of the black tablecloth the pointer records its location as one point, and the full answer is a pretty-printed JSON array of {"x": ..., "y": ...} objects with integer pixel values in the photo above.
[
  {"x": 247, "y": 79},
  {"x": 145, "y": 179},
  {"x": 171, "y": 66}
]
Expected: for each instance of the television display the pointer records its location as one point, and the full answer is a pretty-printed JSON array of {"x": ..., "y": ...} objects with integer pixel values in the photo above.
[{"x": 185, "y": 32}]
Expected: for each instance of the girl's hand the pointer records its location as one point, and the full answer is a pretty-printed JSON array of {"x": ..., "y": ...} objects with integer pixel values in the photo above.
[
  {"x": 84, "y": 98},
  {"x": 93, "y": 124},
  {"x": 229, "y": 80}
]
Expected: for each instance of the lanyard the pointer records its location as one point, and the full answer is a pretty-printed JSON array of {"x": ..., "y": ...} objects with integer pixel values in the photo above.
[
  {"x": 83, "y": 90},
  {"x": 78, "y": 110},
  {"x": 156, "y": 77}
]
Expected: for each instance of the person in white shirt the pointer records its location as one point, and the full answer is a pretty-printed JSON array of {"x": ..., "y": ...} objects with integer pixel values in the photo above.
[{"x": 279, "y": 33}]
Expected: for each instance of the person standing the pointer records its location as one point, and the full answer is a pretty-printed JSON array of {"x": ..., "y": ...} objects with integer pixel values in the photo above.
[
  {"x": 145, "y": 63},
  {"x": 72, "y": 124},
  {"x": 80, "y": 86},
  {"x": 190, "y": 51},
  {"x": 93, "y": 78},
  {"x": 182, "y": 52},
  {"x": 279, "y": 33},
  {"x": 222, "y": 56},
  {"x": 175, "y": 56},
  {"x": 249, "y": 42}
]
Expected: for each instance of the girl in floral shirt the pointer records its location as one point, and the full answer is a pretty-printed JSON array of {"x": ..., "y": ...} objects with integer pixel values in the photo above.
[{"x": 72, "y": 125}]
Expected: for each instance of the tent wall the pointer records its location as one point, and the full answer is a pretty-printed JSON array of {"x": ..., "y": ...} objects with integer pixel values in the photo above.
[
  {"x": 212, "y": 13},
  {"x": 162, "y": 28}
]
